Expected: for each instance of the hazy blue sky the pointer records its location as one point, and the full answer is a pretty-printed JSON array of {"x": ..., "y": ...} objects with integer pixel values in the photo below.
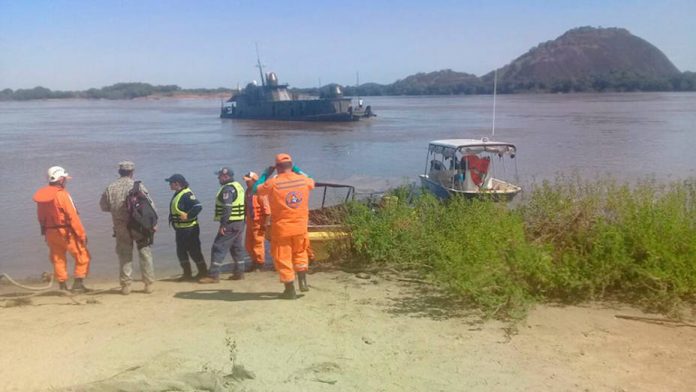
[{"x": 81, "y": 44}]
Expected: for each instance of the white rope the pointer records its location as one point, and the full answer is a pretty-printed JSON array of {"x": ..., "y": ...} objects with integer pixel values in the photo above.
[{"x": 14, "y": 282}]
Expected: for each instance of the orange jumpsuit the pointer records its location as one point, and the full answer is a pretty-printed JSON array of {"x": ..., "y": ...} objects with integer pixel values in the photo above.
[
  {"x": 257, "y": 209},
  {"x": 288, "y": 196},
  {"x": 61, "y": 225}
]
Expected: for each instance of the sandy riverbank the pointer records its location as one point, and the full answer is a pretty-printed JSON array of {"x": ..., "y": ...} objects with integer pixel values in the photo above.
[{"x": 346, "y": 334}]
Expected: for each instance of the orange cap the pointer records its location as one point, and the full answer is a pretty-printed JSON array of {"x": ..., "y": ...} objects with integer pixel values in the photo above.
[{"x": 280, "y": 158}]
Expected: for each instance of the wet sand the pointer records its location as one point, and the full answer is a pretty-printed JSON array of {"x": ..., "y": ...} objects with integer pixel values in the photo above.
[{"x": 347, "y": 333}]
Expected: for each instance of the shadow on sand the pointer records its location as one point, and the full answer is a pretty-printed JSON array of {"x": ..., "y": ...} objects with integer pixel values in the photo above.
[
  {"x": 426, "y": 302},
  {"x": 226, "y": 295}
]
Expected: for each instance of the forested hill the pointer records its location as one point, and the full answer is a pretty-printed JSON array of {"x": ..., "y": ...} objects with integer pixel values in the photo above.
[
  {"x": 582, "y": 59},
  {"x": 589, "y": 58}
]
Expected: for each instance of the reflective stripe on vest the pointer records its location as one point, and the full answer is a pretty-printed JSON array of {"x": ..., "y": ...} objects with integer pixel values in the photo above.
[
  {"x": 175, "y": 212},
  {"x": 237, "y": 205}
]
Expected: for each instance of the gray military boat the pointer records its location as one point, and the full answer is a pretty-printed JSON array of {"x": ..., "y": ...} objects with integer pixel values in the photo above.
[{"x": 273, "y": 101}]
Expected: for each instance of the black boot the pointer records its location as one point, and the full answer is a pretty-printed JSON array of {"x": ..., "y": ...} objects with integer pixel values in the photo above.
[
  {"x": 302, "y": 280},
  {"x": 186, "y": 276},
  {"x": 78, "y": 286},
  {"x": 289, "y": 292},
  {"x": 202, "y": 270},
  {"x": 63, "y": 286}
]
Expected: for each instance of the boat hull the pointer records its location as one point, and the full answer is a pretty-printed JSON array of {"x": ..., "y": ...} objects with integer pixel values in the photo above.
[
  {"x": 329, "y": 110},
  {"x": 445, "y": 193}
]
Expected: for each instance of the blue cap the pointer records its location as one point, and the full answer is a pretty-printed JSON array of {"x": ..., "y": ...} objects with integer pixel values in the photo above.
[{"x": 176, "y": 178}]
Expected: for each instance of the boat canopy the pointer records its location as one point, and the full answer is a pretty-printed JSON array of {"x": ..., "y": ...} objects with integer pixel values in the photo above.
[{"x": 473, "y": 146}]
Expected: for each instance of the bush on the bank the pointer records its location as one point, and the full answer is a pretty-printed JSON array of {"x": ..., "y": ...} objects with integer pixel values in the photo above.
[
  {"x": 569, "y": 240},
  {"x": 476, "y": 250}
]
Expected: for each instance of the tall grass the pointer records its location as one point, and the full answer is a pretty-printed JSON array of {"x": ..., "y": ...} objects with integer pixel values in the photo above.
[{"x": 568, "y": 240}]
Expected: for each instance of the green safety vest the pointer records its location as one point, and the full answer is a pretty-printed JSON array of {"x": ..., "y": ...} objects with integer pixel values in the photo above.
[
  {"x": 237, "y": 205},
  {"x": 174, "y": 211}
]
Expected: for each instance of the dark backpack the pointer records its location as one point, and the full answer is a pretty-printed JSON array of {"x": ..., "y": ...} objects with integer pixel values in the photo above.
[{"x": 143, "y": 217}]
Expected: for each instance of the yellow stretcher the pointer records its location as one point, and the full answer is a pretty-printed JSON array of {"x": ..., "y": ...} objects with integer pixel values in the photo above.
[{"x": 323, "y": 236}]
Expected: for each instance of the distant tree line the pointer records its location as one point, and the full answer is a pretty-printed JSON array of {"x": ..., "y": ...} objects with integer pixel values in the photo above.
[
  {"x": 445, "y": 82},
  {"x": 116, "y": 91},
  {"x": 622, "y": 81}
]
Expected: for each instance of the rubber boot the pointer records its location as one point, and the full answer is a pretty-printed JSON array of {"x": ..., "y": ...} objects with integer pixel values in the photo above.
[
  {"x": 186, "y": 276},
  {"x": 78, "y": 286},
  {"x": 202, "y": 270},
  {"x": 302, "y": 280},
  {"x": 63, "y": 286},
  {"x": 237, "y": 276},
  {"x": 289, "y": 292}
]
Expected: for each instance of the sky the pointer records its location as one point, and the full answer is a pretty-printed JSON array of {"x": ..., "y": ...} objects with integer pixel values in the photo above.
[{"x": 75, "y": 45}]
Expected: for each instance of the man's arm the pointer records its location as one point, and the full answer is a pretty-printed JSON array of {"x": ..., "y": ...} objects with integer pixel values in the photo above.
[
  {"x": 262, "y": 180},
  {"x": 297, "y": 170},
  {"x": 73, "y": 219},
  {"x": 191, "y": 205},
  {"x": 104, "y": 203},
  {"x": 228, "y": 195},
  {"x": 265, "y": 205}
]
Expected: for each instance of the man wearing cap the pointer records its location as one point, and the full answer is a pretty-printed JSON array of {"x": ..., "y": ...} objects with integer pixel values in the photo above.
[
  {"x": 258, "y": 214},
  {"x": 183, "y": 216},
  {"x": 229, "y": 211},
  {"x": 113, "y": 200},
  {"x": 288, "y": 195},
  {"x": 62, "y": 227}
]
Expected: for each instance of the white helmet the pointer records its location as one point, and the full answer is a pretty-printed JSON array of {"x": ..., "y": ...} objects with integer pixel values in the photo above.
[{"x": 55, "y": 173}]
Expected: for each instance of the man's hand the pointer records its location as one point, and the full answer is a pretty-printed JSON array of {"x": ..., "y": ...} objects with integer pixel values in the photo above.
[
  {"x": 222, "y": 230},
  {"x": 183, "y": 216}
]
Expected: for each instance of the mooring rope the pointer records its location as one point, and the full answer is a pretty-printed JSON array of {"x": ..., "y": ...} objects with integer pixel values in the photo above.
[{"x": 14, "y": 282}]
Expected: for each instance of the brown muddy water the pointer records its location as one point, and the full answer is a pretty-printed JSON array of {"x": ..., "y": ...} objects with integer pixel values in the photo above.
[{"x": 628, "y": 136}]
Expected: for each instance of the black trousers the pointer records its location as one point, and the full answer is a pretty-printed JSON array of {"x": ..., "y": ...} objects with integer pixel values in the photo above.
[{"x": 188, "y": 243}]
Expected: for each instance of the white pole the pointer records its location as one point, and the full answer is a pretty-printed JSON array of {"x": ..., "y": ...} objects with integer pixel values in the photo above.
[{"x": 495, "y": 88}]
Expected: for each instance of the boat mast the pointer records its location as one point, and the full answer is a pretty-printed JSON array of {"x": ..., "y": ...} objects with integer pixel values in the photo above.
[
  {"x": 259, "y": 66},
  {"x": 495, "y": 88}
]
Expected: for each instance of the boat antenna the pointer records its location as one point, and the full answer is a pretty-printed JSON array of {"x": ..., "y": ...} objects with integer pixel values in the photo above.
[
  {"x": 357, "y": 84},
  {"x": 495, "y": 88},
  {"x": 259, "y": 66}
]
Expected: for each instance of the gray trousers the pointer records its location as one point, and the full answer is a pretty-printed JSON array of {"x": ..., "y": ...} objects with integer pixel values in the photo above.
[
  {"x": 124, "y": 250},
  {"x": 231, "y": 242}
]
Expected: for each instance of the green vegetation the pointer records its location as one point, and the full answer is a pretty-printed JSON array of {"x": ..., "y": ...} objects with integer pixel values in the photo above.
[
  {"x": 448, "y": 82},
  {"x": 116, "y": 91},
  {"x": 616, "y": 81},
  {"x": 567, "y": 240}
]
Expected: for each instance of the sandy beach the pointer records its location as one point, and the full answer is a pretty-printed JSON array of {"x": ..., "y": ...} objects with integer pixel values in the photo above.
[{"x": 346, "y": 334}]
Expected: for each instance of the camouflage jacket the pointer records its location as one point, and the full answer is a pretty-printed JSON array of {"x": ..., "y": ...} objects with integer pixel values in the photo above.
[{"x": 114, "y": 199}]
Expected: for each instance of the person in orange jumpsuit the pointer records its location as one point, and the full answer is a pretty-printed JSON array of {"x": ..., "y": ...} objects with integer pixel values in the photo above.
[
  {"x": 288, "y": 196},
  {"x": 258, "y": 213},
  {"x": 61, "y": 225}
]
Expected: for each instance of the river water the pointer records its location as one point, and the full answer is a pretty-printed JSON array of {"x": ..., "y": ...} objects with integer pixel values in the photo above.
[{"x": 626, "y": 135}]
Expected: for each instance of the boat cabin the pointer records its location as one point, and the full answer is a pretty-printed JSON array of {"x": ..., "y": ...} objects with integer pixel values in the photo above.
[{"x": 469, "y": 167}]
